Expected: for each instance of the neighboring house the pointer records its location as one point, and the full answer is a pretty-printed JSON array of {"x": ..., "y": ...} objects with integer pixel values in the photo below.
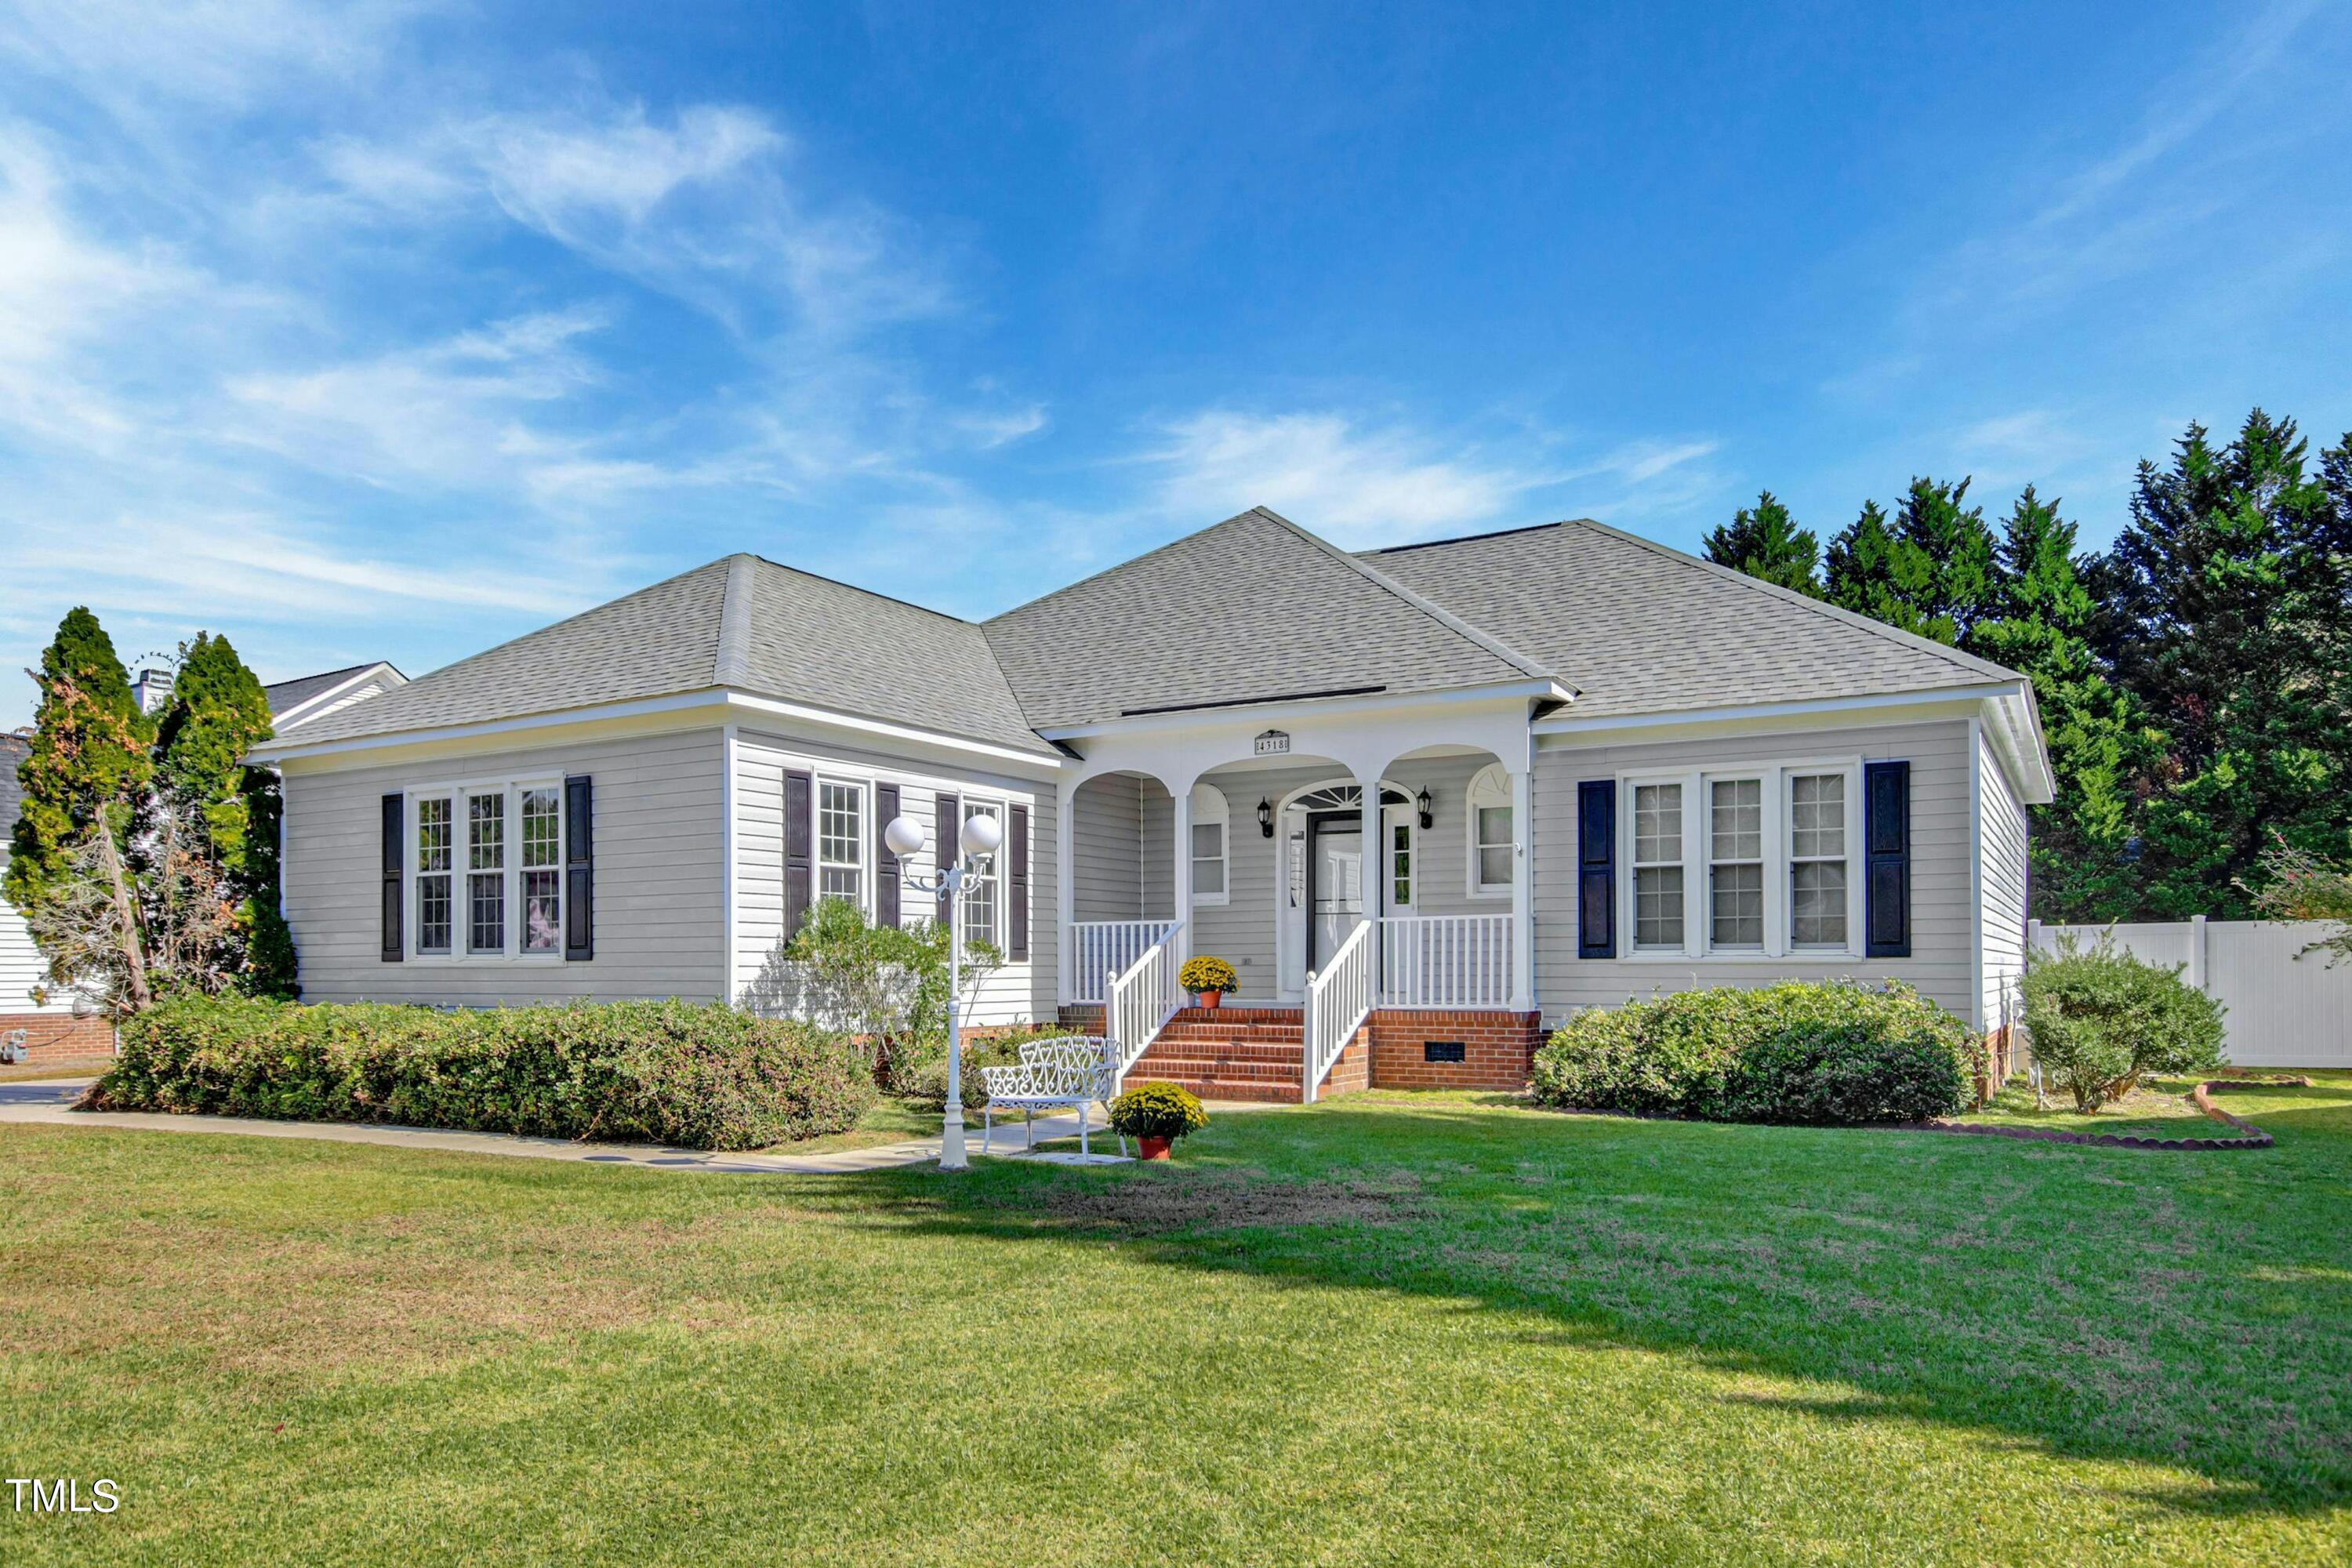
[
  {"x": 1542, "y": 769},
  {"x": 52, "y": 1032},
  {"x": 308, "y": 697}
]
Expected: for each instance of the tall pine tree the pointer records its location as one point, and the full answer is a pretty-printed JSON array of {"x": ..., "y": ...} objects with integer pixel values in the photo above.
[
  {"x": 1874, "y": 572},
  {"x": 2038, "y": 625},
  {"x": 88, "y": 765},
  {"x": 1765, "y": 542},
  {"x": 2218, "y": 610}
]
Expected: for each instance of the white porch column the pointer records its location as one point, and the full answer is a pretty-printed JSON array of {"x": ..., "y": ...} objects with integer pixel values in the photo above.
[
  {"x": 1523, "y": 892},
  {"x": 1182, "y": 804},
  {"x": 1376, "y": 855},
  {"x": 1065, "y": 887}
]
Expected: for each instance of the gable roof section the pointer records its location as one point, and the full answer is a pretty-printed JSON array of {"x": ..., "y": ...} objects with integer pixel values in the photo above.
[
  {"x": 1253, "y": 609},
  {"x": 285, "y": 694},
  {"x": 741, "y": 623},
  {"x": 1640, "y": 629},
  {"x": 815, "y": 640}
]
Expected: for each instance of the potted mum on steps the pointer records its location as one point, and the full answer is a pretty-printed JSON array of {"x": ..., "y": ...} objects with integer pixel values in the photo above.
[
  {"x": 1155, "y": 1115},
  {"x": 1208, "y": 979}
]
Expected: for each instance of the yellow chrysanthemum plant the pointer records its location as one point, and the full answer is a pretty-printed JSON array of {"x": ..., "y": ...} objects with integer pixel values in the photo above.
[{"x": 1202, "y": 975}]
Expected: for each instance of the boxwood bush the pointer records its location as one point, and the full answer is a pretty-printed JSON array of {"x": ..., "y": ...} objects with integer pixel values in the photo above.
[
  {"x": 699, "y": 1076},
  {"x": 1835, "y": 1053}
]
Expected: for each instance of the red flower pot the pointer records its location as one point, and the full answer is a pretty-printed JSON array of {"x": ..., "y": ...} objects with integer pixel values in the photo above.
[
  {"x": 1155, "y": 1148},
  {"x": 1212, "y": 1000}
]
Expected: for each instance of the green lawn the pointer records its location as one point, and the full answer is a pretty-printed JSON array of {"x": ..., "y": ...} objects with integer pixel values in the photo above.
[{"x": 1387, "y": 1328}]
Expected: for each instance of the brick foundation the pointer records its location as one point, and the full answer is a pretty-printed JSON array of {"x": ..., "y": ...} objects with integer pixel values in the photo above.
[
  {"x": 59, "y": 1039},
  {"x": 1496, "y": 1048},
  {"x": 1083, "y": 1017}
]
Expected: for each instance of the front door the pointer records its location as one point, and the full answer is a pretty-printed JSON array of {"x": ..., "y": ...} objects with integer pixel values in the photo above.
[{"x": 1335, "y": 881}]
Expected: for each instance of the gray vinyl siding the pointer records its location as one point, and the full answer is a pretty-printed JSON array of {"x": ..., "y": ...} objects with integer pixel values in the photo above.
[
  {"x": 2002, "y": 832},
  {"x": 1943, "y": 961},
  {"x": 1156, "y": 857},
  {"x": 1106, "y": 849},
  {"x": 1016, "y": 991},
  {"x": 22, "y": 967},
  {"x": 660, "y": 915}
]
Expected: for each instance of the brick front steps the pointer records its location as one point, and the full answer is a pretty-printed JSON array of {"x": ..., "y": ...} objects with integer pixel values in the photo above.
[
  {"x": 1229, "y": 1053},
  {"x": 1256, "y": 1053}
]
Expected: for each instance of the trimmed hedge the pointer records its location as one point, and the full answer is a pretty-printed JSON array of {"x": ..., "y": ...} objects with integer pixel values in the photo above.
[
  {"x": 699, "y": 1076},
  {"x": 1841, "y": 1052}
]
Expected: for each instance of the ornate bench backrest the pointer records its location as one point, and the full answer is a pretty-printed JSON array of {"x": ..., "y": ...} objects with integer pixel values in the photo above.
[{"x": 1074, "y": 1064}]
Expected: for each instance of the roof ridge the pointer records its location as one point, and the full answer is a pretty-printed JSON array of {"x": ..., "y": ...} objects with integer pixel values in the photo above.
[
  {"x": 1461, "y": 538},
  {"x": 1435, "y": 611},
  {"x": 1957, "y": 657},
  {"x": 1118, "y": 565},
  {"x": 855, "y": 587},
  {"x": 552, "y": 625},
  {"x": 731, "y": 663}
]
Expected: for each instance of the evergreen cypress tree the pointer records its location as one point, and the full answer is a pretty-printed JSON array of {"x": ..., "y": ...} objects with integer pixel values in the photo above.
[
  {"x": 1874, "y": 572},
  {"x": 2098, "y": 745},
  {"x": 2219, "y": 611},
  {"x": 1765, "y": 542},
  {"x": 1957, "y": 546},
  {"x": 218, "y": 713},
  {"x": 88, "y": 765}
]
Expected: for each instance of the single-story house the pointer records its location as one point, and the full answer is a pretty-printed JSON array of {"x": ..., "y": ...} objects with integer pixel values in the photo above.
[{"x": 1424, "y": 799}]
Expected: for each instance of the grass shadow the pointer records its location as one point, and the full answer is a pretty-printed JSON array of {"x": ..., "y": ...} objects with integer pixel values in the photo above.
[{"x": 2189, "y": 1310}]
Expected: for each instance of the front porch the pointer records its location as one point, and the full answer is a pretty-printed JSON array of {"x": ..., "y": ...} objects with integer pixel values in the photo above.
[{"x": 1259, "y": 1053}]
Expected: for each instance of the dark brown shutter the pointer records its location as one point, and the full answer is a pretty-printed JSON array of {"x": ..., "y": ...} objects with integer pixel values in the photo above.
[
  {"x": 395, "y": 833},
  {"x": 1886, "y": 849},
  {"x": 947, "y": 828},
  {"x": 887, "y": 871},
  {"x": 1596, "y": 869},
  {"x": 1016, "y": 884},
  {"x": 579, "y": 868},
  {"x": 799, "y": 825}
]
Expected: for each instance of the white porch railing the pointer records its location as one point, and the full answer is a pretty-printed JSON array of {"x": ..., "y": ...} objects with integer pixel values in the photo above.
[
  {"x": 1445, "y": 961},
  {"x": 1099, "y": 948},
  {"x": 1338, "y": 1000},
  {"x": 1141, "y": 998}
]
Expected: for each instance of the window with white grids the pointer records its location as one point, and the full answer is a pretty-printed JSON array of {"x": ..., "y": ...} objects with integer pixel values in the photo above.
[
  {"x": 981, "y": 885},
  {"x": 1658, "y": 867},
  {"x": 1817, "y": 859},
  {"x": 487, "y": 882},
  {"x": 542, "y": 868},
  {"x": 434, "y": 858},
  {"x": 1735, "y": 863},
  {"x": 486, "y": 872},
  {"x": 841, "y": 841}
]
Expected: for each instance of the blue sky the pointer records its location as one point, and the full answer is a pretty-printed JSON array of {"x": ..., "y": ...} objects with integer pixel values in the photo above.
[{"x": 397, "y": 329}]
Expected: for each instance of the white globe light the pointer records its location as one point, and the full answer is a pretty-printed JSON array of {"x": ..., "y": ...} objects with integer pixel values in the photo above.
[
  {"x": 904, "y": 835},
  {"x": 981, "y": 835}
]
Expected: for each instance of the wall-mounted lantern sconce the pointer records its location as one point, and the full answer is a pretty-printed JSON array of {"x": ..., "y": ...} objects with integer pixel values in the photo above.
[
  {"x": 1264, "y": 818},
  {"x": 1421, "y": 804}
]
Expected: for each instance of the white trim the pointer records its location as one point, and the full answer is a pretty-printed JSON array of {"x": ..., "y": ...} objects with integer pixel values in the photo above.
[
  {"x": 1256, "y": 716},
  {"x": 862, "y": 787},
  {"x": 731, "y": 880},
  {"x": 1572, "y": 724},
  {"x": 1976, "y": 874},
  {"x": 713, "y": 706}
]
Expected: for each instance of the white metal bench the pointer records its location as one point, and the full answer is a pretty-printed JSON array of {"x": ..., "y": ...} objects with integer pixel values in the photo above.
[{"x": 1073, "y": 1071}]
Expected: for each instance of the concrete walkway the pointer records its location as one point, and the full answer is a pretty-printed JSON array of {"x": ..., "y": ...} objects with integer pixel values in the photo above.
[{"x": 50, "y": 1103}]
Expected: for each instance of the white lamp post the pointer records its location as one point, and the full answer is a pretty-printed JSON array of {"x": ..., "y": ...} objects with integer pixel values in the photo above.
[{"x": 980, "y": 836}]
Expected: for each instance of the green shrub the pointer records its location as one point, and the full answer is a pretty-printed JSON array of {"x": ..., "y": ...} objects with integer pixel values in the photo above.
[
  {"x": 925, "y": 1074},
  {"x": 2100, "y": 1020},
  {"x": 1157, "y": 1110},
  {"x": 699, "y": 1076},
  {"x": 1202, "y": 972},
  {"x": 1835, "y": 1053}
]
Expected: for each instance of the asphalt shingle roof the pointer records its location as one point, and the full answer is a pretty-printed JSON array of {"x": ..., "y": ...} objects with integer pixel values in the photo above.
[
  {"x": 1254, "y": 608},
  {"x": 1639, "y": 628},
  {"x": 738, "y": 622}
]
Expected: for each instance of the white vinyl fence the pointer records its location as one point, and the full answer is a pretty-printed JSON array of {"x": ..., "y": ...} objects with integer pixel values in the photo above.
[{"x": 2286, "y": 1008}]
